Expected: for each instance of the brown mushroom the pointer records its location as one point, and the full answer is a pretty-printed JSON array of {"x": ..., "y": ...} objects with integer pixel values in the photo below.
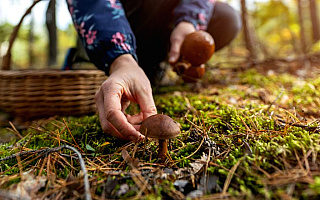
[
  {"x": 193, "y": 74},
  {"x": 197, "y": 48},
  {"x": 180, "y": 67},
  {"x": 160, "y": 127}
]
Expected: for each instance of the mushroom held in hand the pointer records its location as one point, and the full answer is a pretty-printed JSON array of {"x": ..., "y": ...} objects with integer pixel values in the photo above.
[
  {"x": 193, "y": 74},
  {"x": 197, "y": 48},
  {"x": 160, "y": 127},
  {"x": 180, "y": 67}
]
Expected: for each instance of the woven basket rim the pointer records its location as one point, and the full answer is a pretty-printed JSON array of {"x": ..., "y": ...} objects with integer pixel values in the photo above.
[{"x": 30, "y": 72}]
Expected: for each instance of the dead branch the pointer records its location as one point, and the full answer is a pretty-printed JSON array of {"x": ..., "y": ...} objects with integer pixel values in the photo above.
[
  {"x": 6, "y": 62},
  {"x": 315, "y": 129},
  {"x": 56, "y": 149}
]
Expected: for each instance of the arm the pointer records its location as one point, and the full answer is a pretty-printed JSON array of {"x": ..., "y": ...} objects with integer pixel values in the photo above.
[
  {"x": 103, "y": 30},
  {"x": 190, "y": 15},
  {"x": 196, "y": 12},
  {"x": 110, "y": 44}
]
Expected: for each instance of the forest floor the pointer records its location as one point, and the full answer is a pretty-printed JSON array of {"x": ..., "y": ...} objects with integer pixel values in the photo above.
[{"x": 248, "y": 131}]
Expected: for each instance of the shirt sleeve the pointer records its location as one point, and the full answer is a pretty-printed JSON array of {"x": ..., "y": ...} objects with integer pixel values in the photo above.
[
  {"x": 103, "y": 29},
  {"x": 197, "y": 12}
]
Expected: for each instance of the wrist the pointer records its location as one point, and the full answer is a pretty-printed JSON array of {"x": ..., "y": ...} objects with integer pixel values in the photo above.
[
  {"x": 123, "y": 61},
  {"x": 187, "y": 25}
]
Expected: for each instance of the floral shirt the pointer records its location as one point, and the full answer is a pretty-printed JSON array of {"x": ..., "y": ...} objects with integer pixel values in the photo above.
[{"x": 106, "y": 34}]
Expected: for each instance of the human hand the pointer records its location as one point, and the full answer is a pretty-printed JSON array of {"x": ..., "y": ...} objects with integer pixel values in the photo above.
[
  {"x": 127, "y": 83},
  {"x": 176, "y": 39}
]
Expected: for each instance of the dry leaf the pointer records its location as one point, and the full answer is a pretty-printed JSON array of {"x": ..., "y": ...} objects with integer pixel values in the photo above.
[
  {"x": 28, "y": 186},
  {"x": 132, "y": 162}
]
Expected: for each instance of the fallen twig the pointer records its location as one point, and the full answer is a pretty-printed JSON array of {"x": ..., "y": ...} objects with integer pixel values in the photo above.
[
  {"x": 315, "y": 129},
  {"x": 230, "y": 175},
  {"x": 275, "y": 100},
  {"x": 14, "y": 130},
  {"x": 85, "y": 173},
  {"x": 52, "y": 150},
  {"x": 22, "y": 154}
]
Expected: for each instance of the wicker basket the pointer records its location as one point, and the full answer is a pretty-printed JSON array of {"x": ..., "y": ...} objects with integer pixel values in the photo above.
[
  {"x": 42, "y": 93},
  {"x": 31, "y": 94}
]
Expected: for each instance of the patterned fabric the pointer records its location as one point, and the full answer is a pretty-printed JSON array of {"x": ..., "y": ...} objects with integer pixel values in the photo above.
[
  {"x": 197, "y": 12},
  {"x": 105, "y": 31}
]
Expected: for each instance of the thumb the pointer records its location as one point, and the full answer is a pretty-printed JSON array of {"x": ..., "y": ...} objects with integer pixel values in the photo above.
[{"x": 174, "y": 53}]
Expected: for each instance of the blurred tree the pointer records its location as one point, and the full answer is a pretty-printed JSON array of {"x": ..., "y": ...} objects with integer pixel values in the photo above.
[
  {"x": 302, "y": 28},
  {"x": 276, "y": 27},
  {"x": 6, "y": 59},
  {"x": 314, "y": 20},
  {"x": 5, "y": 30},
  {"x": 31, "y": 41},
  {"x": 248, "y": 31},
  {"x": 52, "y": 32}
]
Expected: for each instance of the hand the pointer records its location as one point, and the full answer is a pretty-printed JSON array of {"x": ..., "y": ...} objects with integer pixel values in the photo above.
[
  {"x": 127, "y": 83},
  {"x": 176, "y": 39}
]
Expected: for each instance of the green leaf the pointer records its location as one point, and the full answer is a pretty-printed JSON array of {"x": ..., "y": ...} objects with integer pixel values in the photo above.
[{"x": 88, "y": 147}]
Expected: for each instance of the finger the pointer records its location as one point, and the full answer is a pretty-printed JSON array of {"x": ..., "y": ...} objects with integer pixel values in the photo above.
[
  {"x": 146, "y": 102},
  {"x": 137, "y": 127},
  {"x": 113, "y": 113},
  {"x": 135, "y": 119},
  {"x": 105, "y": 125},
  {"x": 175, "y": 50},
  {"x": 110, "y": 130},
  {"x": 124, "y": 105}
]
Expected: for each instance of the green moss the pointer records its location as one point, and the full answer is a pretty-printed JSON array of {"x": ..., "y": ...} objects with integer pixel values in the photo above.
[{"x": 244, "y": 127}]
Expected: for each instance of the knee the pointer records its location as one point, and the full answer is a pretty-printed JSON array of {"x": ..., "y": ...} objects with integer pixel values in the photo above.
[
  {"x": 225, "y": 24},
  {"x": 235, "y": 23},
  {"x": 227, "y": 15},
  {"x": 234, "y": 19}
]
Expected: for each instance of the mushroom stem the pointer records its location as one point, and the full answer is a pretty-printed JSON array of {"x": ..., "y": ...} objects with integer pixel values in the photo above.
[
  {"x": 163, "y": 150},
  {"x": 181, "y": 66}
]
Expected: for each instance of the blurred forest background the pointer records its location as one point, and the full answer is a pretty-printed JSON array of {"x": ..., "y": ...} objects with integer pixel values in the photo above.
[{"x": 272, "y": 29}]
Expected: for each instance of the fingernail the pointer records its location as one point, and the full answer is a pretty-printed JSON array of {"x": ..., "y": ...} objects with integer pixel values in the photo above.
[{"x": 172, "y": 59}]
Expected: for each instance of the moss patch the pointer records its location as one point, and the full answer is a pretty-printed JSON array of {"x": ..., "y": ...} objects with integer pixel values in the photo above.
[{"x": 246, "y": 135}]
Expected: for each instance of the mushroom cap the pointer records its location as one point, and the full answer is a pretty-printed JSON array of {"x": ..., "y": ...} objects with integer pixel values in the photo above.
[
  {"x": 160, "y": 126},
  {"x": 197, "y": 48}
]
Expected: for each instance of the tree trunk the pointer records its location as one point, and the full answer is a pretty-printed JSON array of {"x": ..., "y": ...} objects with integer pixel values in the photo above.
[
  {"x": 247, "y": 31},
  {"x": 314, "y": 20},
  {"x": 6, "y": 60},
  {"x": 31, "y": 42},
  {"x": 52, "y": 32},
  {"x": 302, "y": 29}
]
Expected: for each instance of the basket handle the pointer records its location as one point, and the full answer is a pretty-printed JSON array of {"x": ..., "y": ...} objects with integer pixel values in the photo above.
[{"x": 6, "y": 60}]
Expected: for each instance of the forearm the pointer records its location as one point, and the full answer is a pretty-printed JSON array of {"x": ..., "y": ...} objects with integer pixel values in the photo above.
[{"x": 103, "y": 30}]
